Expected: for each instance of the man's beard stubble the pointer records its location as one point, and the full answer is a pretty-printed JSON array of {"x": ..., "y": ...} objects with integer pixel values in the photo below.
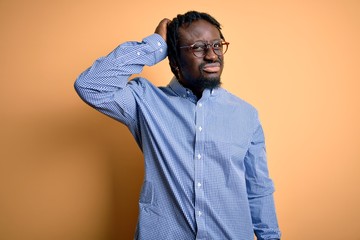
[{"x": 208, "y": 82}]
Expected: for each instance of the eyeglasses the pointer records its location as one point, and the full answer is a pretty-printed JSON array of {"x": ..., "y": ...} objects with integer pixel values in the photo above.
[{"x": 200, "y": 48}]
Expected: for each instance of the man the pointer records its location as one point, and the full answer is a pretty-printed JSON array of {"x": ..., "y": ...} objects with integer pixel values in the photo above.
[{"x": 206, "y": 174}]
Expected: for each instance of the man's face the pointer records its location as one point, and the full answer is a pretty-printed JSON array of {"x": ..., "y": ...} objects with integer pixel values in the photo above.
[{"x": 198, "y": 73}]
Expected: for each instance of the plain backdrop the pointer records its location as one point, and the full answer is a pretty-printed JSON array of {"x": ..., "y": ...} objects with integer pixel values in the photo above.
[{"x": 70, "y": 173}]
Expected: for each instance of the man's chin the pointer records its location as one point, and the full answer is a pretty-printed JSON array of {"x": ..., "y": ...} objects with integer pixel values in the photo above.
[{"x": 210, "y": 83}]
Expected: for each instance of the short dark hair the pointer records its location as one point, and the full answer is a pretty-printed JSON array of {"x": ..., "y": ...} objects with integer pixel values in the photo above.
[{"x": 172, "y": 34}]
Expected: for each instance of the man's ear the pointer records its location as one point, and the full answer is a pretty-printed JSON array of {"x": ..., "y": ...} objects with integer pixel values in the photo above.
[
  {"x": 175, "y": 69},
  {"x": 174, "y": 66}
]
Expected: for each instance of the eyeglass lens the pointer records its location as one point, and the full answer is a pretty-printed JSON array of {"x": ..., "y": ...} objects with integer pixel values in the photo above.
[{"x": 200, "y": 48}]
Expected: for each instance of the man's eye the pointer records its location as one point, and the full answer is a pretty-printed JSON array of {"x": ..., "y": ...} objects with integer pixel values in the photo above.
[
  {"x": 198, "y": 47},
  {"x": 217, "y": 45}
]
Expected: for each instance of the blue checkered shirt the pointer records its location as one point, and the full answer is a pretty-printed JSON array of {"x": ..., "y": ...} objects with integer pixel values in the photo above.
[{"x": 206, "y": 174}]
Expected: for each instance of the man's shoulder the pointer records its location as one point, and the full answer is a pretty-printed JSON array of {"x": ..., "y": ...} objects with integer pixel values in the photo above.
[
  {"x": 142, "y": 82},
  {"x": 146, "y": 87},
  {"x": 236, "y": 101}
]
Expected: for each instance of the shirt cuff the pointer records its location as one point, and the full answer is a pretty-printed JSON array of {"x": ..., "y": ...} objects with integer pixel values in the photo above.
[{"x": 158, "y": 44}]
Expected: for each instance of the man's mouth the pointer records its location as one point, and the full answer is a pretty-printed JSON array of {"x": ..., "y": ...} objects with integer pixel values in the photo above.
[{"x": 211, "y": 67}]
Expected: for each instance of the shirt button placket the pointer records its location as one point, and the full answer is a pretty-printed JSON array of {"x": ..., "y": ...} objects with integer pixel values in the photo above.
[{"x": 199, "y": 171}]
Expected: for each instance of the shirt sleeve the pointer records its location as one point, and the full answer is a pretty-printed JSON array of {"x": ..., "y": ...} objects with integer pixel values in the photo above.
[
  {"x": 260, "y": 189},
  {"x": 106, "y": 86}
]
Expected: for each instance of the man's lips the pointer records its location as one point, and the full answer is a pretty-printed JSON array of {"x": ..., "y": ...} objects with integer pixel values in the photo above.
[{"x": 211, "y": 67}]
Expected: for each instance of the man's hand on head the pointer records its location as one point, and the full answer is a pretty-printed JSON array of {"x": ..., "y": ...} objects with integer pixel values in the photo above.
[{"x": 161, "y": 29}]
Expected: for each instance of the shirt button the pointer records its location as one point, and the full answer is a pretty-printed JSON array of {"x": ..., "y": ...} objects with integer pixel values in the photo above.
[
  {"x": 200, "y": 128},
  {"x": 138, "y": 53},
  {"x": 199, "y": 184},
  {"x": 199, "y": 156},
  {"x": 161, "y": 50},
  {"x": 159, "y": 43},
  {"x": 199, "y": 213},
  {"x": 200, "y": 104}
]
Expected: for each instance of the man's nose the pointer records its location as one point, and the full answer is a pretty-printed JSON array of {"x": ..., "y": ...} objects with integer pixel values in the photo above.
[{"x": 210, "y": 54}]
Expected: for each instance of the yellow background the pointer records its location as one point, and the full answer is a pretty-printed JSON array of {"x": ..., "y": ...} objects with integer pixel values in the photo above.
[{"x": 70, "y": 173}]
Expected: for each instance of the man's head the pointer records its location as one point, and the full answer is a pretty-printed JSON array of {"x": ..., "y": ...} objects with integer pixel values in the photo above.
[{"x": 195, "y": 50}]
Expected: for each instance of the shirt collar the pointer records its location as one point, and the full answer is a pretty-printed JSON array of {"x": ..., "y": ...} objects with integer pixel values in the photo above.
[{"x": 187, "y": 93}]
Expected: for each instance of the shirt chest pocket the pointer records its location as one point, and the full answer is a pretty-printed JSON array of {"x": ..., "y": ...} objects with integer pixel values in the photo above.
[{"x": 226, "y": 139}]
